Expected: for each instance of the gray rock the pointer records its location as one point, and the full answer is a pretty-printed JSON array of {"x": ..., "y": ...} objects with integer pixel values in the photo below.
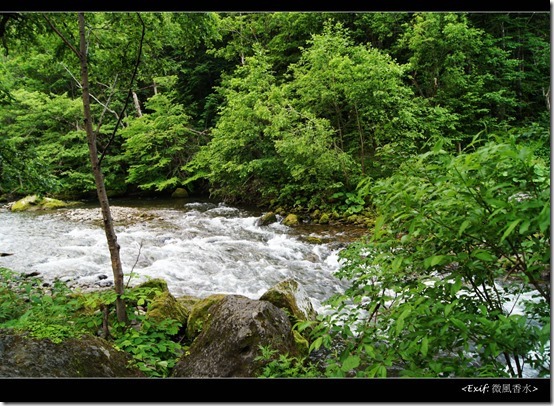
[
  {"x": 88, "y": 356},
  {"x": 229, "y": 343}
]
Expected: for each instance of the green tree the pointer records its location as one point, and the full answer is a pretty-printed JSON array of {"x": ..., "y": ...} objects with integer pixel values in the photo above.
[
  {"x": 158, "y": 144},
  {"x": 360, "y": 90},
  {"x": 461, "y": 67},
  {"x": 240, "y": 159}
]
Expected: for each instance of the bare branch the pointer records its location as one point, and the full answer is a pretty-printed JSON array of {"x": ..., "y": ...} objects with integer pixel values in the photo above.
[{"x": 91, "y": 95}]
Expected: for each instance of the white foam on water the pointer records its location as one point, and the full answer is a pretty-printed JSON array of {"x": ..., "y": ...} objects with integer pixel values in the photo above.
[{"x": 200, "y": 249}]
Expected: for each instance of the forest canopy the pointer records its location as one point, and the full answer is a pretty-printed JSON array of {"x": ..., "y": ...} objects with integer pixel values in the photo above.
[{"x": 284, "y": 108}]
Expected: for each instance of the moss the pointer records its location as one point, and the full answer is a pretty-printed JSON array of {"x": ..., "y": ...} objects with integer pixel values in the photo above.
[
  {"x": 49, "y": 203},
  {"x": 291, "y": 220},
  {"x": 324, "y": 219},
  {"x": 165, "y": 306},
  {"x": 35, "y": 202},
  {"x": 157, "y": 284},
  {"x": 314, "y": 240},
  {"x": 200, "y": 315},
  {"x": 301, "y": 343},
  {"x": 267, "y": 218},
  {"x": 188, "y": 302},
  {"x": 180, "y": 193}
]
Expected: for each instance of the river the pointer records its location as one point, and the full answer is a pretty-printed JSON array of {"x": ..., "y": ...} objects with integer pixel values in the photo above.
[{"x": 199, "y": 247}]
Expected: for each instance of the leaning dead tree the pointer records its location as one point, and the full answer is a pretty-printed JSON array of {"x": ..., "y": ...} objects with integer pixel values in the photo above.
[{"x": 96, "y": 160}]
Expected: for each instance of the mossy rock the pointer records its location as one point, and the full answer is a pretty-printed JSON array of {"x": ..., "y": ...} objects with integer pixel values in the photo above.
[
  {"x": 180, "y": 193},
  {"x": 157, "y": 284},
  {"x": 267, "y": 219},
  {"x": 324, "y": 219},
  {"x": 35, "y": 203},
  {"x": 290, "y": 296},
  {"x": 313, "y": 240},
  {"x": 291, "y": 220},
  {"x": 165, "y": 306},
  {"x": 188, "y": 302},
  {"x": 200, "y": 315},
  {"x": 84, "y": 357},
  {"x": 151, "y": 288}
]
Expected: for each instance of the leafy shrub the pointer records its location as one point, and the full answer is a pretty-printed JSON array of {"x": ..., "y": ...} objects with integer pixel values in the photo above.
[
  {"x": 41, "y": 311},
  {"x": 458, "y": 239},
  {"x": 285, "y": 366},
  {"x": 56, "y": 313}
]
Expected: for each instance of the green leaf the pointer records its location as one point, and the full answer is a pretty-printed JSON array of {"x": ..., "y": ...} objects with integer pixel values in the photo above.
[
  {"x": 463, "y": 226},
  {"x": 396, "y": 263},
  {"x": 433, "y": 261},
  {"x": 456, "y": 286},
  {"x": 448, "y": 309},
  {"x": 524, "y": 226},
  {"x": 483, "y": 255},
  {"x": 459, "y": 324},
  {"x": 509, "y": 229},
  {"x": 316, "y": 344},
  {"x": 352, "y": 362}
]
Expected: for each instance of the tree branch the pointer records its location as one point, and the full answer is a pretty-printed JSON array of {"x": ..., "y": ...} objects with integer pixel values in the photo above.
[{"x": 69, "y": 44}]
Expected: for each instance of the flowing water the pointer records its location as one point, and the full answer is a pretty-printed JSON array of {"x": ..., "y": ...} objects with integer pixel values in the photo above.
[{"x": 198, "y": 247}]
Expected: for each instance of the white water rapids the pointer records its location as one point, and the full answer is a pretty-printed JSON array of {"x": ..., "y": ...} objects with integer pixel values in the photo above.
[{"x": 199, "y": 248}]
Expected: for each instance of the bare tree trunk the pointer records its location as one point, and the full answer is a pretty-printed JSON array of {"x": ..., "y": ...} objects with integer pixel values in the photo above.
[
  {"x": 99, "y": 179},
  {"x": 137, "y": 105}
]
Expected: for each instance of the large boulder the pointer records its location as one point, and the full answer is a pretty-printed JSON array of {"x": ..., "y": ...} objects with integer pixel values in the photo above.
[
  {"x": 199, "y": 315},
  {"x": 34, "y": 203},
  {"x": 88, "y": 356},
  {"x": 229, "y": 344}
]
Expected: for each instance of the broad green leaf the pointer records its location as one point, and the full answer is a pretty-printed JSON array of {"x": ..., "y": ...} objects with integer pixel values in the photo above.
[
  {"x": 459, "y": 324},
  {"x": 396, "y": 263},
  {"x": 433, "y": 261},
  {"x": 448, "y": 309},
  {"x": 483, "y": 255},
  {"x": 316, "y": 344},
  {"x": 456, "y": 286},
  {"x": 463, "y": 226},
  {"x": 352, "y": 362},
  {"x": 524, "y": 226}
]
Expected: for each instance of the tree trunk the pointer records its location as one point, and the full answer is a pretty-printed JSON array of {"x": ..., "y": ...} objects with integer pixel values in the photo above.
[{"x": 99, "y": 178}]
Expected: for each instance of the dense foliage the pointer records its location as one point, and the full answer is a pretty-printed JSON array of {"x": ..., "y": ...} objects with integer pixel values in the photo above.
[
  {"x": 454, "y": 281},
  {"x": 439, "y": 123},
  {"x": 57, "y": 313},
  {"x": 266, "y": 108}
]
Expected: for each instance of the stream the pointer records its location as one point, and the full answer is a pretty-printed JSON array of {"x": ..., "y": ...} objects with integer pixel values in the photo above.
[{"x": 199, "y": 247}]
